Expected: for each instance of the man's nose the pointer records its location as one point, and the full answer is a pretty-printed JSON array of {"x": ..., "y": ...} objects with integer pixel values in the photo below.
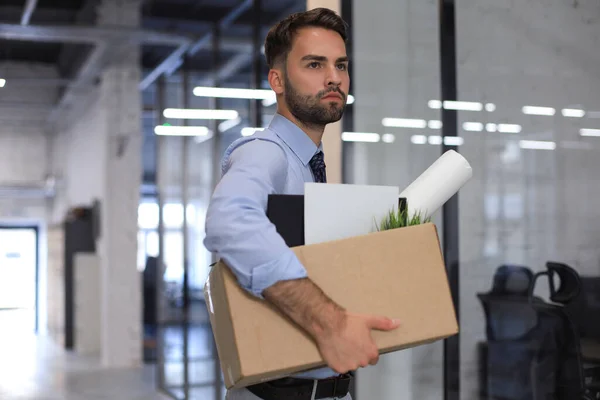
[{"x": 334, "y": 77}]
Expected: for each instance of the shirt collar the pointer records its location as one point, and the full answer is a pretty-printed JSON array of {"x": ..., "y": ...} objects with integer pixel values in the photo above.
[{"x": 295, "y": 138}]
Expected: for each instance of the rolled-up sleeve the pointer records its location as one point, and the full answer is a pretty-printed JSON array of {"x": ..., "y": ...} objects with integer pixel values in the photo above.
[{"x": 237, "y": 228}]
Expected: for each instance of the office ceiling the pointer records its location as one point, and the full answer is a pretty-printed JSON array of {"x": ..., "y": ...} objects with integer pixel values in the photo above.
[
  {"x": 69, "y": 36},
  {"x": 63, "y": 34}
]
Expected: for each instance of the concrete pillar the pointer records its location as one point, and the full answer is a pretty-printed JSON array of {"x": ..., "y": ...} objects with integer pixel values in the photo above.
[
  {"x": 120, "y": 280},
  {"x": 332, "y": 139}
]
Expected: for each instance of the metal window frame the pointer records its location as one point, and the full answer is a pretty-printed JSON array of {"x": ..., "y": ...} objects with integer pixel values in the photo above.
[{"x": 450, "y": 211}]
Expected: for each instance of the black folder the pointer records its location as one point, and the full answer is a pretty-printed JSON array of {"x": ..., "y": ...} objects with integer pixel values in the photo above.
[{"x": 286, "y": 212}]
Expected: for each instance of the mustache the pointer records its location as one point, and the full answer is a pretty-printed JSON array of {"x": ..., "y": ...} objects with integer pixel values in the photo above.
[{"x": 334, "y": 90}]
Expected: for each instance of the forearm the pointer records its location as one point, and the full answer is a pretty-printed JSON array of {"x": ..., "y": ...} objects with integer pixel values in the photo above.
[{"x": 306, "y": 304}]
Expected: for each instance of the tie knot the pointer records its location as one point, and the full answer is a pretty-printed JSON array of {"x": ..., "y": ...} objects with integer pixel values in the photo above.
[
  {"x": 318, "y": 160},
  {"x": 317, "y": 164}
]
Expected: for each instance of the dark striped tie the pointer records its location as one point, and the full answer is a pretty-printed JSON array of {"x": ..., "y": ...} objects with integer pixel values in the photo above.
[{"x": 317, "y": 164}]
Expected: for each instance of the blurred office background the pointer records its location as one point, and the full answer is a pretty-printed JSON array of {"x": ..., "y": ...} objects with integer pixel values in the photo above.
[{"x": 105, "y": 180}]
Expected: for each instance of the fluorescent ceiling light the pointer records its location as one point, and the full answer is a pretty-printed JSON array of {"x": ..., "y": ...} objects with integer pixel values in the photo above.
[
  {"x": 168, "y": 130},
  {"x": 473, "y": 126},
  {"x": 360, "y": 137},
  {"x": 435, "y": 139},
  {"x": 434, "y": 124},
  {"x": 228, "y": 124},
  {"x": 448, "y": 140},
  {"x": 453, "y": 141},
  {"x": 388, "y": 138},
  {"x": 589, "y": 132},
  {"x": 537, "y": 145},
  {"x": 268, "y": 102},
  {"x": 462, "y": 105},
  {"x": 181, "y": 113},
  {"x": 418, "y": 139},
  {"x": 2, "y": 82},
  {"x": 491, "y": 127},
  {"x": 455, "y": 105},
  {"x": 404, "y": 122},
  {"x": 249, "y": 131},
  {"x": 573, "y": 112},
  {"x": 435, "y": 104},
  {"x": 535, "y": 110},
  {"x": 490, "y": 107},
  {"x": 233, "y": 93},
  {"x": 509, "y": 128},
  {"x": 202, "y": 139}
]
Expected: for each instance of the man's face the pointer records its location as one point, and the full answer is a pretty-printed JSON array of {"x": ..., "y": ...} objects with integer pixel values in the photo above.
[{"x": 316, "y": 77}]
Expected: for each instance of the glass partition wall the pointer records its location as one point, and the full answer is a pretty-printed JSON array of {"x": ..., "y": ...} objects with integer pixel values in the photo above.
[
  {"x": 395, "y": 74},
  {"x": 528, "y": 76},
  {"x": 527, "y": 119}
]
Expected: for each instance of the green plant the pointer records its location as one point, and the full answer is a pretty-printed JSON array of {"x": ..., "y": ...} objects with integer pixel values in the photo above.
[{"x": 399, "y": 219}]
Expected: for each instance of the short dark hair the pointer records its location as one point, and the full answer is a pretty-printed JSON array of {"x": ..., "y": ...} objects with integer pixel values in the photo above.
[{"x": 281, "y": 36}]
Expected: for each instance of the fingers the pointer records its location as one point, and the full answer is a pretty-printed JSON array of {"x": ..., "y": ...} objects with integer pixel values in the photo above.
[
  {"x": 374, "y": 356},
  {"x": 371, "y": 358},
  {"x": 383, "y": 323},
  {"x": 378, "y": 322},
  {"x": 374, "y": 360}
]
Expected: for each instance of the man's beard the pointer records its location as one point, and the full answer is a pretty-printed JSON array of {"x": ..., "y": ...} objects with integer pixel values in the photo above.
[{"x": 310, "y": 110}]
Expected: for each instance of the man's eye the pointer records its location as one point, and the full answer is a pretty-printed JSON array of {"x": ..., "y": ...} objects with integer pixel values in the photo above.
[
  {"x": 313, "y": 64},
  {"x": 343, "y": 67}
]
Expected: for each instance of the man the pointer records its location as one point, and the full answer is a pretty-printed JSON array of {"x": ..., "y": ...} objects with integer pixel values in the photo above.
[{"x": 306, "y": 54}]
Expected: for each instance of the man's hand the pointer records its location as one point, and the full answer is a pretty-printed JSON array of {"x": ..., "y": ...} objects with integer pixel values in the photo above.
[
  {"x": 352, "y": 346},
  {"x": 344, "y": 339}
]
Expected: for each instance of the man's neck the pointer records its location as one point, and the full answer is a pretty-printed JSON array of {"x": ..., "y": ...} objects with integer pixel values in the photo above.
[{"x": 314, "y": 132}]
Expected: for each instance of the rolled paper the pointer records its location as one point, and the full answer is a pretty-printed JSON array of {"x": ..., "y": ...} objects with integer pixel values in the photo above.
[{"x": 434, "y": 187}]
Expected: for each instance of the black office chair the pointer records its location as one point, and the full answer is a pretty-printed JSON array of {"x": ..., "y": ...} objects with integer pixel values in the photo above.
[
  {"x": 572, "y": 378},
  {"x": 510, "y": 323},
  {"x": 585, "y": 308},
  {"x": 533, "y": 350}
]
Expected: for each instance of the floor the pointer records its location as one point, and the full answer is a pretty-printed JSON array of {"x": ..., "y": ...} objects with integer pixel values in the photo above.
[
  {"x": 189, "y": 367},
  {"x": 34, "y": 368}
]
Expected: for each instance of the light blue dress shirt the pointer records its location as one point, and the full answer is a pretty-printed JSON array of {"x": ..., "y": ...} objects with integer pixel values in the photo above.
[{"x": 272, "y": 161}]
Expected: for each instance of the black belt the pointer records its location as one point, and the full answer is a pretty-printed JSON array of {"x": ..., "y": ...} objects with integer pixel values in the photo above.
[{"x": 303, "y": 389}]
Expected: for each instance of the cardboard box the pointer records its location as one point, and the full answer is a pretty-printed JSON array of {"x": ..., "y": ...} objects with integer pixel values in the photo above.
[{"x": 398, "y": 273}]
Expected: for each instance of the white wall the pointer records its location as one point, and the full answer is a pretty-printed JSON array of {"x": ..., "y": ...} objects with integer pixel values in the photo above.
[
  {"x": 23, "y": 139},
  {"x": 78, "y": 155},
  {"x": 23, "y": 153},
  {"x": 522, "y": 206}
]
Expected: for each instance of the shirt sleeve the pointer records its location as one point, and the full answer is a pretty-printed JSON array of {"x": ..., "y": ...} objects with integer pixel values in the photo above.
[{"x": 237, "y": 227}]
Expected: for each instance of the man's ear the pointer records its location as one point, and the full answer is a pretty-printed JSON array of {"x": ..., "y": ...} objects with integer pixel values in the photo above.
[{"x": 276, "y": 80}]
